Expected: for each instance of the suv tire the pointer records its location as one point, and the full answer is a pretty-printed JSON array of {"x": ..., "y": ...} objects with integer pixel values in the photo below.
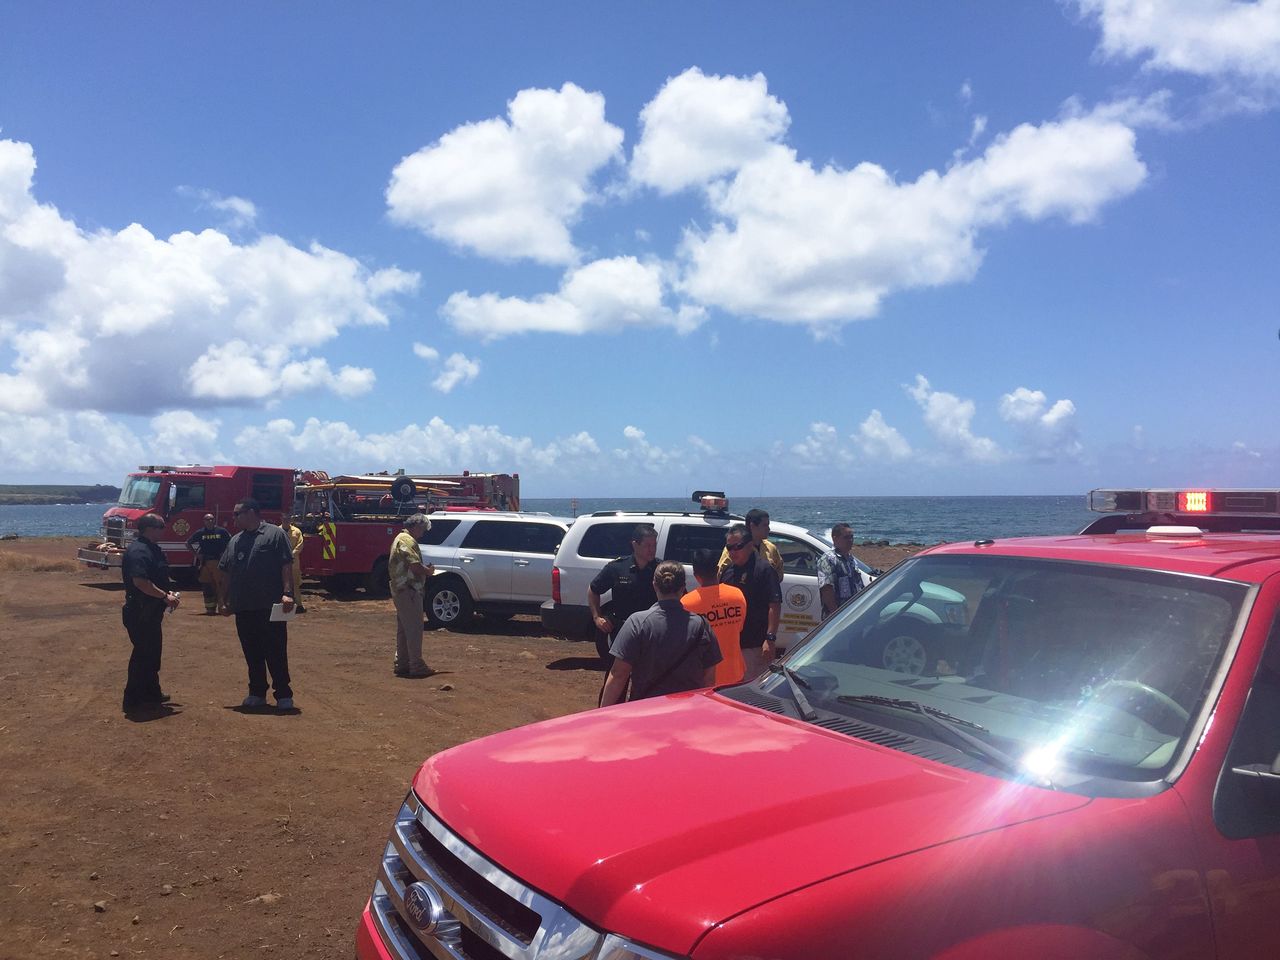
[{"x": 448, "y": 604}]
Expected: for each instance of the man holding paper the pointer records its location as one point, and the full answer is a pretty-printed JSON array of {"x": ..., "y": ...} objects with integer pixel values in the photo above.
[{"x": 258, "y": 564}]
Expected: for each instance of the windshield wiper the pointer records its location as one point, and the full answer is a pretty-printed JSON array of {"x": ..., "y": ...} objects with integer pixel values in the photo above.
[
  {"x": 952, "y": 725},
  {"x": 794, "y": 683}
]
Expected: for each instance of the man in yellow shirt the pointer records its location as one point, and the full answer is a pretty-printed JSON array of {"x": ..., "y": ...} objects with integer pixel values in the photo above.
[
  {"x": 725, "y": 608},
  {"x": 758, "y": 525},
  {"x": 295, "y": 544},
  {"x": 408, "y": 582}
]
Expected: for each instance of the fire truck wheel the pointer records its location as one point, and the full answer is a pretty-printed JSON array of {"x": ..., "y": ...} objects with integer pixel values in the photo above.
[
  {"x": 449, "y": 605},
  {"x": 377, "y": 584}
]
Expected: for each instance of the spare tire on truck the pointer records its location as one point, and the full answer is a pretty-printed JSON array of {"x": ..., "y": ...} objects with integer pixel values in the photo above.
[{"x": 403, "y": 490}]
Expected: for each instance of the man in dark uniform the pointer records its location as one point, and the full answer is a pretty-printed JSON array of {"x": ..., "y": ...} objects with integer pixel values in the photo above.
[
  {"x": 208, "y": 544},
  {"x": 258, "y": 568},
  {"x": 146, "y": 598},
  {"x": 755, "y": 578},
  {"x": 631, "y": 580}
]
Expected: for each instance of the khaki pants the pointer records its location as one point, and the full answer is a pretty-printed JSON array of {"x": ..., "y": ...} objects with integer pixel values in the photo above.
[
  {"x": 409, "y": 625},
  {"x": 210, "y": 579}
]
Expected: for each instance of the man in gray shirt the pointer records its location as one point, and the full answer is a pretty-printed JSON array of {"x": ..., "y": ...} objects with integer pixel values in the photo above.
[
  {"x": 665, "y": 649},
  {"x": 258, "y": 564}
]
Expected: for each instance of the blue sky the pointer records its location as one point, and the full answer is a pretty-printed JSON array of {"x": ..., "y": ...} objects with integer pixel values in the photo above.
[{"x": 783, "y": 249}]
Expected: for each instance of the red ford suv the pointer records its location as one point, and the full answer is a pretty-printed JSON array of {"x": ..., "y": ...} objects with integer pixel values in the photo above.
[{"x": 1092, "y": 771}]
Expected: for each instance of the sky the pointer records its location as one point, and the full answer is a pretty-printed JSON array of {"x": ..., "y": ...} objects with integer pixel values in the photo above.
[{"x": 875, "y": 248}]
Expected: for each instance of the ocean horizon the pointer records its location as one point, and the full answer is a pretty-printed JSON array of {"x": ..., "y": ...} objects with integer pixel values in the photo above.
[{"x": 914, "y": 519}]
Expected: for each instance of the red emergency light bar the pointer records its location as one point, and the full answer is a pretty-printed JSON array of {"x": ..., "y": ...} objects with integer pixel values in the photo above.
[{"x": 1207, "y": 502}]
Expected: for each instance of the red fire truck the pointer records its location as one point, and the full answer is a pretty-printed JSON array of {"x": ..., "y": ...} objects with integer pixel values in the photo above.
[
  {"x": 182, "y": 495},
  {"x": 350, "y": 521}
]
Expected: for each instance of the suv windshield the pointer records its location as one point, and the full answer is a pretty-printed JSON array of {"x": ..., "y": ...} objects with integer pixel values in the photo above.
[
  {"x": 140, "y": 492},
  {"x": 1080, "y": 671}
]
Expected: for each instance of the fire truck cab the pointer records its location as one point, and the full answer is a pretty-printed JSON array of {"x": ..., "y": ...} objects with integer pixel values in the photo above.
[{"x": 182, "y": 495}]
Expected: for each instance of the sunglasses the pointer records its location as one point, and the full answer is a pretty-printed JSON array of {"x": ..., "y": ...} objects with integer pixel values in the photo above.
[{"x": 735, "y": 547}]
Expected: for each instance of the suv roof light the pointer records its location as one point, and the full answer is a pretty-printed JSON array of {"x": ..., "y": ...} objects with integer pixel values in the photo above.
[
  {"x": 1201, "y": 501},
  {"x": 712, "y": 501}
]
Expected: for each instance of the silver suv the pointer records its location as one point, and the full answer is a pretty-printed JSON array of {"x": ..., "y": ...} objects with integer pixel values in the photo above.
[
  {"x": 599, "y": 538},
  {"x": 496, "y": 563}
]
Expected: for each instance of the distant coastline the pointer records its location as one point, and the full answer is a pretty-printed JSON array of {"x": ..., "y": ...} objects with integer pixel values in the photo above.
[{"x": 50, "y": 495}]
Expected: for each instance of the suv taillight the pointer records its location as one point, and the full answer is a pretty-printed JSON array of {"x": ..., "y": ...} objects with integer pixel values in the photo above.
[{"x": 555, "y": 584}]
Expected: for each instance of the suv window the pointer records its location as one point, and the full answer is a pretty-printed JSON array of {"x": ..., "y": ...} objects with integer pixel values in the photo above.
[
  {"x": 685, "y": 538},
  {"x": 607, "y": 540},
  {"x": 492, "y": 535},
  {"x": 797, "y": 556},
  {"x": 539, "y": 538},
  {"x": 439, "y": 532}
]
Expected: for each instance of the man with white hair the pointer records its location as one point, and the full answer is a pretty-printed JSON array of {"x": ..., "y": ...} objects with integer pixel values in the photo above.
[{"x": 408, "y": 583}]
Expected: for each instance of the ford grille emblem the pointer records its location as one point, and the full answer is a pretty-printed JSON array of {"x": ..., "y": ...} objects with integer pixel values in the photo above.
[{"x": 424, "y": 908}]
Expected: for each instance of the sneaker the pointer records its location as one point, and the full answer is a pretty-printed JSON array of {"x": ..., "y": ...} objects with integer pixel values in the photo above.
[
  {"x": 421, "y": 674},
  {"x": 284, "y": 703},
  {"x": 252, "y": 701},
  {"x": 400, "y": 672}
]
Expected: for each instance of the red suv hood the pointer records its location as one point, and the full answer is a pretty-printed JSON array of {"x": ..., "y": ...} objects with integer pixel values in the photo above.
[{"x": 660, "y": 818}]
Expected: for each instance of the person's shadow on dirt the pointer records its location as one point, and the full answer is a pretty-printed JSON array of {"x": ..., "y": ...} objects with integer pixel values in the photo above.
[
  {"x": 594, "y": 664},
  {"x": 268, "y": 710},
  {"x": 160, "y": 711}
]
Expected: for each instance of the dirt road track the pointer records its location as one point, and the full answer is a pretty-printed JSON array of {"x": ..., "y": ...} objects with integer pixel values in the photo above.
[{"x": 212, "y": 831}]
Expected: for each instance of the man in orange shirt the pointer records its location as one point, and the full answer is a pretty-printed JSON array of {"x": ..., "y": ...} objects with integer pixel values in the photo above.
[{"x": 725, "y": 608}]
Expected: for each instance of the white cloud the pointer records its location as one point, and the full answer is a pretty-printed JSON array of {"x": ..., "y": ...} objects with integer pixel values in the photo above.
[
  {"x": 87, "y": 314},
  {"x": 603, "y": 296},
  {"x": 641, "y": 454},
  {"x": 434, "y": 447},
  {"x": 950, "y": 420},
  {"x": 1208, "y": 38},
  {"x": 879, "y": 441},
  {"x": 237, "y": 371},
  {"x": 821, "y": 447},
  {"x": 700, "y": 127},
  {"x": 86, "y": 445},
  {"x": 457, "y": 369},
  {"x": 822, "y": 246},
  {"x": 510, "y": 188},
  {"x": 238, "y": 213},
  {"x": 181, "y": 436},
  {"x": 1047, "y": 430}
]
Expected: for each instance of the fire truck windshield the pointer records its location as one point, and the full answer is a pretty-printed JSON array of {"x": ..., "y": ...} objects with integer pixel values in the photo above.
[{"x": 140, "y": 492}]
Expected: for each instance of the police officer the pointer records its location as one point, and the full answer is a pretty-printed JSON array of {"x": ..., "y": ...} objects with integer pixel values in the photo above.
[
  {"x": 146, "y": 598},
  {"x": 207, "y": 544},
  {"x": 631, "y": 580},
  {"x": 258, "y": 573}
]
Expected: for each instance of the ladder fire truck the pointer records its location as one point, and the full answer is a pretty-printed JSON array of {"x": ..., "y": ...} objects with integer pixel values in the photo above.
[{"x": 350, "y": 521}]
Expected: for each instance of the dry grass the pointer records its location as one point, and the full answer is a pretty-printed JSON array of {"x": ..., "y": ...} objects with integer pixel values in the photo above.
[{"x": 17, "y": 563}]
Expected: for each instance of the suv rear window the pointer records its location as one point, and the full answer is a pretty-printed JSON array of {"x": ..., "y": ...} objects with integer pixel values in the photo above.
[
  {"x": 685, "y": 538},
  {"x": 607, "y": 540},
  {"x": 439, "y": 532}
]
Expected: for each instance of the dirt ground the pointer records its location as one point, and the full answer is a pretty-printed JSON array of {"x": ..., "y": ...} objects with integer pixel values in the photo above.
[{"x": 210, "y": 831}]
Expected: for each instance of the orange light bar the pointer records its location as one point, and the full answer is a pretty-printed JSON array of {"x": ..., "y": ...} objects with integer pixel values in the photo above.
[{"x": 1193, "y": 501}]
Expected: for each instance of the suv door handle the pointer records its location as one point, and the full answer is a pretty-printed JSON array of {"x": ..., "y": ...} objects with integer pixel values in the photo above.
[
  {"x": 521, "y": 563},
  {"x": 468, "y": 559}
]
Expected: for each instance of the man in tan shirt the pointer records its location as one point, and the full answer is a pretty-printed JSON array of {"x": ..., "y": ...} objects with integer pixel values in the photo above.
[{"x": 408, "y": 577}]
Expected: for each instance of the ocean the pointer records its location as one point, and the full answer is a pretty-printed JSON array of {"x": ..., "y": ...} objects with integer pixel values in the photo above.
[{"x": 895, "y": 519}]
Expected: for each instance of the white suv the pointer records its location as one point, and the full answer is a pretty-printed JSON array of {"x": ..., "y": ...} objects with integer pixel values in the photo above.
[
  {"x": 595, "y": 540},
  {"x": 495, "y": 562}
]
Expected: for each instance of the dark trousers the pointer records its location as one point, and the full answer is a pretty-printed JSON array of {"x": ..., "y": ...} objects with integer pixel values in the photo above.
[
  {"x": 266, "y": 648},
  {"x": 143, "y": 623}
]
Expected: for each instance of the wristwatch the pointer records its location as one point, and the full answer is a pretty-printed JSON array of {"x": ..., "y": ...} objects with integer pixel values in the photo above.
[{"x": 770, "y": 638}]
